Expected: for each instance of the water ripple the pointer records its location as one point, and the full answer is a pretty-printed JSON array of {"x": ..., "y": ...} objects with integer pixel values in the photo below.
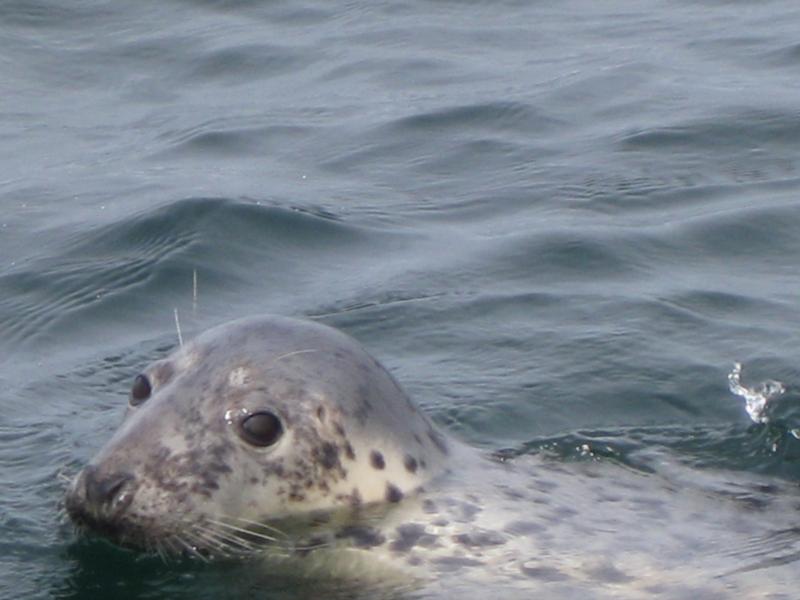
[
  {"x": 493, "y": 116},
  {"x": 122, "y": 264},
  {"x": 734, "y": 132},
  {"x": 226, "y": 137},
  {"x": 243, "y": 63}
]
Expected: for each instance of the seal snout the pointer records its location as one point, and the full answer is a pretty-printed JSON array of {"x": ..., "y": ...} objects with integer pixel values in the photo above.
[
  {"x": 98, "y": 497},
  {"x": 111, "y": 492}
]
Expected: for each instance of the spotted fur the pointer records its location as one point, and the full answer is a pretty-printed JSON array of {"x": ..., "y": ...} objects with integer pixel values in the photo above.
[{"x": 360, "y": 481}]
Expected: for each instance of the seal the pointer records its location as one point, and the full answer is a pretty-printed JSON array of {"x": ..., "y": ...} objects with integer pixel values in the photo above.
[{"x": 283, "y": 440}]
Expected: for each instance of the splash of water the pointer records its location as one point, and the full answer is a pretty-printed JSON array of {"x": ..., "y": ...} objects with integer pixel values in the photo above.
[{"x": 757, "y": 399}]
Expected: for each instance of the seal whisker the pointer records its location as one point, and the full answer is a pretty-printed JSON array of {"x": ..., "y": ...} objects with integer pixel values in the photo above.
[
  {"x": 153, "y": 547},
  {"x": 209, "y": 543},
  {"x": 226, "y": 544},
  {"x": 63, "y": 478},
  {"x": 167, "y": 548},
  {"x": 244, "y": 531},
  {"x": 61, "y": 514},
  {"x": 317, "y": 546},
  {"x": 259, "y": 524},
  {"x": 237, "y": 546},
  {"x": 240, "y": 538},
  {"x": 159, "y": 549},
  {"x": 190, "y": 548},
  {"x": 231, "y": 543},
  {"x": 209, "y": 534}
]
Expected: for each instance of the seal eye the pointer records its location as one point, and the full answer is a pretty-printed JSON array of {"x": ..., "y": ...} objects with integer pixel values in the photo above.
[
  {"x": 261, "y": 429},
  {"x": 140, "y": 391}
]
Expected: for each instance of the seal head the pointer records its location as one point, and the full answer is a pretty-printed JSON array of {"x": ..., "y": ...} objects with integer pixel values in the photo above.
[{"x": 254, "y": 421}]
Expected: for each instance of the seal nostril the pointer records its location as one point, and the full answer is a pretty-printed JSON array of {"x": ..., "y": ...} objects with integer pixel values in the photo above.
[{"x": 107, "y": 490}]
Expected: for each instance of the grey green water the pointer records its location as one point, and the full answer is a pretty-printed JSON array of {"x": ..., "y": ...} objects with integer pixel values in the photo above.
[{"x": 559, "y": 224}]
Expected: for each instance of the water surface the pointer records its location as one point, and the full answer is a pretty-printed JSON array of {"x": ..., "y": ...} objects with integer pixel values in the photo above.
[{"x": 558, "y": 225}]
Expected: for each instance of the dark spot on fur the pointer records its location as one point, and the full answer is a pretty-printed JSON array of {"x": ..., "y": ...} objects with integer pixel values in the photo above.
[
  {"x": 466, "y": 511},
  {"x": 418, "y": 439},
  {"x": 362, "y": 536},
  {"x": 327, "y": 455},
  {"x": 348, "y": 451},
  {"x": 543, "y": 573},
  {"x": 363, "y": 404},
  {"x": 407, "y": 536},
  {"x": 411, "y": 463},
  {"x": 393, "y": 493},
  {"x": 454, "y": 563},
  {"x": 480, "y": 539},
  {"x": 276, "y": 468},
  {"x": 321, "y": 413},
  {"x": 767, "y": 488},
  {"x": 376, "y": 459},
  {"x": 661, "y": 589},
  {"x": 608, "y": 497},
  {"x": 352, "y": 499},
  {"x": 562, "y": 513},
  {"x": 609, "y": 574},
  {"x": 523, "y": 527},
  {"x": 512, "y": 494},
  {"x": 410, "y": 535},
  {"x": 543, "y": 485},
  {"x": 429, "y": 506},
  {"x": 339, "y": 429},
  {"x": 194, "y": 470}
]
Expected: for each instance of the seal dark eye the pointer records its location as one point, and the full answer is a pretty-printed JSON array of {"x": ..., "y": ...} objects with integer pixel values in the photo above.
[
  {"x": 140, "y": 391},
  {"x": 261, "y": 429}
]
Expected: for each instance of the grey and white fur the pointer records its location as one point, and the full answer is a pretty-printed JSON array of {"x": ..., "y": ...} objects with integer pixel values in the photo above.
[{"x": 285, "y": 440}]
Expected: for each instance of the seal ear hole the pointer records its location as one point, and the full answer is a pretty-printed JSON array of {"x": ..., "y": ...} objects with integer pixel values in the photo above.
[
  {"x": 140, "y": 390},
  {"x": 261, "y": 429}
]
